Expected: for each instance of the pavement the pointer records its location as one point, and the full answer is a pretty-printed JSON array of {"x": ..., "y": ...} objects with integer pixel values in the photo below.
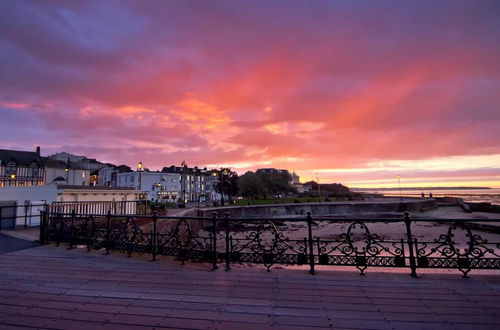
[{"x": 10, "y": 244}]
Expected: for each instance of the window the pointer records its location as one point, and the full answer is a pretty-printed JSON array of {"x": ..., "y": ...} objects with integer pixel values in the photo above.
[
  {"x": 10, "y": 168},
  {"x": 132, "y": 179},
  {"x": 33, "y": 170}
]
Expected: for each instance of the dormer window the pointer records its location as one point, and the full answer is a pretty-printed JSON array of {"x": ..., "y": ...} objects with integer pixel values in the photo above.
[
  {"x": 11, "y": 168},
  {"x": 33, "y": 170}
]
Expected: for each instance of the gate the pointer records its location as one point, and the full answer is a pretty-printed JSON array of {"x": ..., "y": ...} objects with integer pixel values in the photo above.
[{"x": 8, "y": 215}]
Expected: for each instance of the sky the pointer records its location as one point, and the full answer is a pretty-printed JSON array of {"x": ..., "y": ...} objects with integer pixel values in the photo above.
[{"x": 355, "y": 92}]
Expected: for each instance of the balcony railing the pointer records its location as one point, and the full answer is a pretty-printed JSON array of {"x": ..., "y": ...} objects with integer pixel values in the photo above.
[{"x": 402, "y": 242}]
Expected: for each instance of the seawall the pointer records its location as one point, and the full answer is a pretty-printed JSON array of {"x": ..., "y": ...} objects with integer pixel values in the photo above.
[{"x": 328, "y": 208}]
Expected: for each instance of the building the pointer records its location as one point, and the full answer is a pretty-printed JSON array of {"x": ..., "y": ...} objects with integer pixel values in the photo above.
[
  {"x": 160, "y": 187},
  {"x": 295, "y": 179},
  {"x": 107, "y": 175},
  {"x": 197, "y": 184},
  {"x": 69, "y": 173},
  {"x": 68, "y": 197},
  {"x": 82, "y": 161},
  {"x": 21, "y": 168},
  {"x": 27, "y": 168}
]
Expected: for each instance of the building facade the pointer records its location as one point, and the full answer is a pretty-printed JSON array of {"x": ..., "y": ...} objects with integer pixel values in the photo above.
[
  {"x": 160, "y": 187},
  {"x": 21, "y": 168}
]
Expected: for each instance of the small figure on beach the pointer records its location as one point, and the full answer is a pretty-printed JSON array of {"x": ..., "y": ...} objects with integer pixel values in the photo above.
[
  {"x": 423, "y": 195},
  {"x": 430, "y": 194}
]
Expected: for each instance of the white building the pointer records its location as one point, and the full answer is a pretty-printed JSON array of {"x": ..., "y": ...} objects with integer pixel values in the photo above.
[
  {"x": 160, "y": 187},
  {"x": 68, "y": 173},
  {"x": 72, "y": 195}
]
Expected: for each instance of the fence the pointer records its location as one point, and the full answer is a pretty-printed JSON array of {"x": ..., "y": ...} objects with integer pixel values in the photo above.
[
  {"x": 101, "y": 207},
  {"x": 29, "y": 213},
  {"x": 405, "y": 243}
]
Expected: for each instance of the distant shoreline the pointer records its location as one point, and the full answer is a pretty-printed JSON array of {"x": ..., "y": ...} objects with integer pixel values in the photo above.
[{"x": 422, "y": 188}]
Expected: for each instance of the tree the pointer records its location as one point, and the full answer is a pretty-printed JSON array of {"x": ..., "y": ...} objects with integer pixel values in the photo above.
[
  {"x": 251, "y": 185},
  {"x": 276, "y": 183},
  {"x": 227, "y": 183}
]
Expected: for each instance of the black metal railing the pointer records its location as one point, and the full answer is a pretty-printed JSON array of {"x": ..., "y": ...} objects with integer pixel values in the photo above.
[{"x": 398, "y": 242}]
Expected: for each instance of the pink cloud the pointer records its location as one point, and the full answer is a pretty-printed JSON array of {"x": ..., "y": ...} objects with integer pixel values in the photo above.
[{"x": 313, "y": 86}]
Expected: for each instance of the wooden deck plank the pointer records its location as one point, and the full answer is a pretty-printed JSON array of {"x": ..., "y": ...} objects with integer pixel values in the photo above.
[{"x": 58, "y": 288}]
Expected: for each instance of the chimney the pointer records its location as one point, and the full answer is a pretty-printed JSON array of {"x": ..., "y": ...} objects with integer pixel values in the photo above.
[{"x": 38, "y": 150}]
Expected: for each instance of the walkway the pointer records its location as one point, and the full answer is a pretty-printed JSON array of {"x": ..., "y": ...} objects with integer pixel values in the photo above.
[
  {"x": 9, "y": 244},
  {"x": 56, "y": 288}
]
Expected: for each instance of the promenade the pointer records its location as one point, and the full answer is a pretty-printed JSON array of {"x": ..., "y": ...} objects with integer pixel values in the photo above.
[{"x": 54, "y": 288}]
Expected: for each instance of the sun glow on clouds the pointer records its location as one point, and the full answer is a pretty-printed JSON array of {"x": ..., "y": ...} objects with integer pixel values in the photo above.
[{"x": 339, "y": 89}]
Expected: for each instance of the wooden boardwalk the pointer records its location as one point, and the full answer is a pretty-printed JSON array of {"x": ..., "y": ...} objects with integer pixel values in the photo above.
[{"x": 56, "y": 288}]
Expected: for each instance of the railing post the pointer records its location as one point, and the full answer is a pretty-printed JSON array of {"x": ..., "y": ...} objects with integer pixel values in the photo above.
[
  {"x": 58, "y": 228},
  {"x": 71, "y": 230},
  {"x": 108, "y": 233},
  {"x": 41, "y": 237},
  {"x": 214, "y": 241},
  {"x": 25, "y": 215},
  {"x": 310, "y": 241},
  {"x": 90, "y": 233},
  {"x": 154, "y": 236},
  {"x": 413, "y": 263},
  {"x": 228, "y": 252}
]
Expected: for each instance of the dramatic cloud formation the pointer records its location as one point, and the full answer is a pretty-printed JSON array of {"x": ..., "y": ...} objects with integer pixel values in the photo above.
[{"x": 355, "y": 91}]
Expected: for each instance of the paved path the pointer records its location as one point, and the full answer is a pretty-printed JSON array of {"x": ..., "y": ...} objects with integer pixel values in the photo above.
[
  {"x": 9, "y": 244},
  {"x": 56, "y": 288}
]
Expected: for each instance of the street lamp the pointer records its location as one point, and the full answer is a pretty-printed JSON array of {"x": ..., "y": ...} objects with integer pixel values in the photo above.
[
  {"x": 222, "y": 173},
  {"x": 12, "y": 178},
  {"x": 399, "y": 183},
  {"x": 139, "y": 169},
  {"x": 67, "y": 174}
]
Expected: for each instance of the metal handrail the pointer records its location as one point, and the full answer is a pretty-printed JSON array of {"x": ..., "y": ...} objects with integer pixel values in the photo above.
[{"x": 266, "y": 244}]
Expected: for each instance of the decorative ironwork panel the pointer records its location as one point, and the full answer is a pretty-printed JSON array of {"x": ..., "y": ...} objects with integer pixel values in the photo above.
[
  {"x": 129, "y": 237},
  {"x": 459, "y": 248},
  {"x": 59, "y": 228},
  {"x": 360, "y": 248},
  {"x": 184, "y": 243},
  {"x": 268, "y": 246}
]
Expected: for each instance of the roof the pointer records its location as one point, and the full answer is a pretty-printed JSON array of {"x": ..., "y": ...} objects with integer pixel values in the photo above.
[
  {"x": 54, "y": 163},
  {"x": 63, "y": 186},
  {"x": 20, "y": 157}
]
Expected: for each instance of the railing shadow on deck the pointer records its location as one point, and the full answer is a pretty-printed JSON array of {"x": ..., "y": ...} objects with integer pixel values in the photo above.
[{"x": 358, "y": 242}]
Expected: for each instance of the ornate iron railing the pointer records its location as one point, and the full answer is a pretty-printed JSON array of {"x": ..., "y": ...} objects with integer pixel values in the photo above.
[{"x": 401, "y": 243}]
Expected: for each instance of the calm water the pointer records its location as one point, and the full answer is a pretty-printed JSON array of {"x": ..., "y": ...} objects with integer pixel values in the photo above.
[{"x": 469, "y": 195}]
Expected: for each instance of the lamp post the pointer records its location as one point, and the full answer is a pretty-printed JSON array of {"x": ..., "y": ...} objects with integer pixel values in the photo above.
[
  {"x": 223, "y": 172},
  {"x": 67, "y": 174},
  {"x": 12, "y": 178},
  {"x": 214, "y": 174},
  {"x": 139, "y": 169},
  {"x": 157, "y": 190},
  {"x": 399, "y": 183}
]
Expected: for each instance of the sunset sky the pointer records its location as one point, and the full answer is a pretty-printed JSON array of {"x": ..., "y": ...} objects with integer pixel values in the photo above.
[{"x": 355, "y": 91}]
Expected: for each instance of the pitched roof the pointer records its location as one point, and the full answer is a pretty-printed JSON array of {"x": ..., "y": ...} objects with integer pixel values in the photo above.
[{"x": 20, "y": 157}]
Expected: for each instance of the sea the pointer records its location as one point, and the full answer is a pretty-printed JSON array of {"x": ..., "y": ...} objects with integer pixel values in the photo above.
[{"x": 468, "y": 195}]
